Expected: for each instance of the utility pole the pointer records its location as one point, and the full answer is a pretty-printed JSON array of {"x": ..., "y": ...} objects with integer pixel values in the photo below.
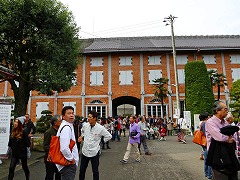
[{"x": 171, "y": 19}]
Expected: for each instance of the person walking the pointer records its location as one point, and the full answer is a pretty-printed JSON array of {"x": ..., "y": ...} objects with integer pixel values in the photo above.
[
  {"x": 51, "y": 168},
  {"x": 207, "y": 169},
  {"x": 183, "y": 129},
  {"x": 91, "y": 135},
  {"x": 144, "y": 129},
  {"x": 134, "y": 140},
  {"x": 66, "y": 133},
  {"x": 215, "y": 137},
  {"x": 18, "y": 142}
]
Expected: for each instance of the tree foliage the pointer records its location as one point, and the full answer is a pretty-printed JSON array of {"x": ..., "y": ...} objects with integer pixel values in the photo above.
[
  {"x": 217, "y": 79},
  {"x": 39, "y": 42},
  {"x": 199, "y": 94},
  {"x": 161, "y": 90},
  {"x": 44, "y": 122},
  {"x": 235, "y": 98}
]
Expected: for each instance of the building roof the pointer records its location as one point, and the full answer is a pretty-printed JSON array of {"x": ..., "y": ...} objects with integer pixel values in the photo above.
[
  {"x": 6, "y": 73},
  {"x": 164, "y": 43}
]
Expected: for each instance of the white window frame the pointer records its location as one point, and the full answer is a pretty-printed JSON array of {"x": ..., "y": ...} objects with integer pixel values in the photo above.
[
  {"x": 125, "y": 77},
  {"x": 182, "y": 59},
  {"x": 96, "y": 78},
  {"x": 181, "y": 76},
  {"x": 235, "y": 58},
  {"x": 154, "y": 60},
  {"x": 209, "y": 59},
  {"x": 40, "y": 106},
  {"x": 95, "y": 107},
  {"x": 235, "y": 74},
  {"x": 74, "y": 80},
  {"x": 125, "y": 61},
  {"x": 154, "y": 74},
  {"x": 96, "y": 61}
]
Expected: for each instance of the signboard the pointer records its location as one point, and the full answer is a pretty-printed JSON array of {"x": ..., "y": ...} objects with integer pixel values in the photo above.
[
  {"x": 196, "y": 122},
  {"x": 5, "y": 116},
  {"x": 176, "y": 113},
  {"x": 187, "y": 117}
]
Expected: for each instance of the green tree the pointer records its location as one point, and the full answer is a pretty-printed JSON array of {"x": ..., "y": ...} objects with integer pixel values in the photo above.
[
  {"x": 217, "y": 79},
  {"x": 161, "y": 90},
  {"x": 44, "y": 122},
  {"x": 39, "y": 42},
  {"x": 199, "y": 94},
  {"x": 235, "y": 98}
]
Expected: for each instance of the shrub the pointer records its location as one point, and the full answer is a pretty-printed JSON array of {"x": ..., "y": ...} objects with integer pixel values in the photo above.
[{"x": 199, "y": 94}]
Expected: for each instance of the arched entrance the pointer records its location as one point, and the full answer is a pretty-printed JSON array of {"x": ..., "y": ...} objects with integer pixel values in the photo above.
[{"x": 125, "y": 100}]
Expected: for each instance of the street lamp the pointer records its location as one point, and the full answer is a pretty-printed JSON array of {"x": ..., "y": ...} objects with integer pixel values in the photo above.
[{"x": 171, "y": 19}]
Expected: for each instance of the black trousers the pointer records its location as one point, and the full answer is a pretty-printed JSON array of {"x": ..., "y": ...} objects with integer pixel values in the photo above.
[
  {"x": 51, "y": 169},
  {"x": 13, "y": 164},
  {"x": 84, "y": 164}
]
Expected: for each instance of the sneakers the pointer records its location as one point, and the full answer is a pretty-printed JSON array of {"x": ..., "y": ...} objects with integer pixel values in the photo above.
[
  {"x": 137, "y": 161},
  {"x": 148, "y": 153},
  {"x": 184, "y": 142},
  {"x": 123, "y": 161}
]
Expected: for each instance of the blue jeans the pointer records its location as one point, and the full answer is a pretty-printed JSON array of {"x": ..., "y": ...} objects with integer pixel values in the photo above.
[
  {"x": 207, "y": 169},
  {"x": 115, "y": 134},
  {"x": 68, "y": 172}
]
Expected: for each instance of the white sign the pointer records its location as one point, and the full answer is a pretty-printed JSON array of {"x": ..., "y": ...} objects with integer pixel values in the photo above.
[
  {"x": 187, "y": 117},
  {"x": 176, "y": 113},
  {"x": 5, "y": 117},
  {"x": 196, "y": 122}
]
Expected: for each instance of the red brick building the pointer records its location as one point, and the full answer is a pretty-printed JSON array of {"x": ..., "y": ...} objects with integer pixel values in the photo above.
[{"x": 117, "y": 71}]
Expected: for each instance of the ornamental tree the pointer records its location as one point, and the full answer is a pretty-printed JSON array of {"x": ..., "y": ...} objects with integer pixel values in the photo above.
[
  {"x": 161, "y": 90},
  {"x": 199, "y": 94},
  {"x": 235, "y": 98},
  {"x": 39, "y": 42}
]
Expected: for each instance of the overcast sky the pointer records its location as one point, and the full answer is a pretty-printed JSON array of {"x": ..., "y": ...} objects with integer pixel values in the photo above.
[{"x": 130, "y": 18}]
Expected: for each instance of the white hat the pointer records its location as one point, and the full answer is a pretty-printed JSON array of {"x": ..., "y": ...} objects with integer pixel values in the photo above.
[{"x": 21, "y": 119}]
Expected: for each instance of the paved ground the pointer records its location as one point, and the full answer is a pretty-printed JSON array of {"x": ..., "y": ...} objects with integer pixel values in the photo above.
[{"x": 170, "y": 160}]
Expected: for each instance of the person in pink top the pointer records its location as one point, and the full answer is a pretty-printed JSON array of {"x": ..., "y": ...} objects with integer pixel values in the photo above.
[{"x": 213, "y": 126}]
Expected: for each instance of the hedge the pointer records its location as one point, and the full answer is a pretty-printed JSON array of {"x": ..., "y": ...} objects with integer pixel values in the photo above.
[{"x": 198, "y": 89}]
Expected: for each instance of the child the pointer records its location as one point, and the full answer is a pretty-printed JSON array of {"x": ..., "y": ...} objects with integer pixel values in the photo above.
[{"x": 162, "y": 133}]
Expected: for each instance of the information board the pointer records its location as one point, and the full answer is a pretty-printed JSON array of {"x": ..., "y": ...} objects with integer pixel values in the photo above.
[{"x": 5, "y": 117}]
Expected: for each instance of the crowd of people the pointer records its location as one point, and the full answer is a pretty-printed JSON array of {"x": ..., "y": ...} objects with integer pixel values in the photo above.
[{"x": 92, "y": 134}]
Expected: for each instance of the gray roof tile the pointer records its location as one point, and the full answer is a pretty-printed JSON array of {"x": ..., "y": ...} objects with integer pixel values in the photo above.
[{"x": 162, "y": 42}]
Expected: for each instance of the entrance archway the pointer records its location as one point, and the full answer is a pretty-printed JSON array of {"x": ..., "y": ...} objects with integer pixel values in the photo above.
[{"x": 125, "y": 100}]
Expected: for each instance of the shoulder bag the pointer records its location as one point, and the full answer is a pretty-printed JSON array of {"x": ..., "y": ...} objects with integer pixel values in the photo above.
[
  {"x": 199, "y": 138},
  {"x": 54, "y": 154}
]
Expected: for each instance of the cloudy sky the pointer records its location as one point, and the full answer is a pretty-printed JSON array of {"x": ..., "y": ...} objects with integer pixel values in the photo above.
[{"x": 129, "y": 18}]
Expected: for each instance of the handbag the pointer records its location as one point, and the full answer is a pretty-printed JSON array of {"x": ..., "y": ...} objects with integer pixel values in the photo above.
[
  {"x": 199, "y": 138},
  {"x": 54, "y": 154},
  {"x": 134, "y": 133}
]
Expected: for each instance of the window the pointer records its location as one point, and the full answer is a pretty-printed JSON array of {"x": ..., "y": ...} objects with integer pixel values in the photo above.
[
  {"x": 235, "y": 58},
  {"x": 97, "y": 61},
  {"x": 154, "y": 74},
  {"x": 125, "y": 61},
  {"x": 181, "y": 76},
  {"x": 154, "y": 60},
  {"x": 74, "y": 80},
  {"x": 101, "y": 110},
  {"x": 182, "y": 59},
  {"x": 235, "y": 74},
  {"x": 40, "y": 106},
  {"x": 73, "y": 104},
  {"x": 96, "y": 78},
  {"x": 156, "y": 110},
  {"x": 125, "y": 77},
  {"x": 209, "y": 59}
]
